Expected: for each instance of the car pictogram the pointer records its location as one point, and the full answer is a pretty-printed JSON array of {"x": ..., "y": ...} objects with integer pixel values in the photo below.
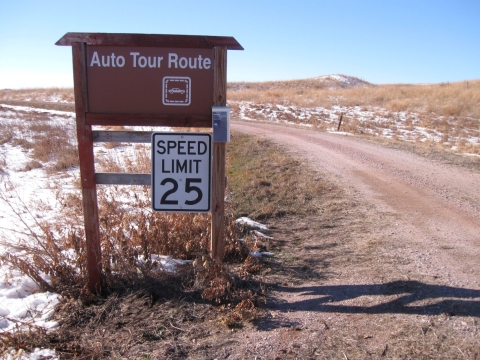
[{"x": 176, "y": 91}]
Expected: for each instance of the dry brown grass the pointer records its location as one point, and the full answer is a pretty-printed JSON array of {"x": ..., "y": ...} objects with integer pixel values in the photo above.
[
  {"x": 36, "y": 95},
  {"x": 452, "y": 99},
  {"x": 54, "y": 147},
  {"x": 439, "y": 115},
  {"x": 130, "y": 234},
  {"x": 448, "y": 99},
  {"x": 267, "y": 182},
  {"x": 129, "y": 228},
  {"x": 50, "y": 143}
]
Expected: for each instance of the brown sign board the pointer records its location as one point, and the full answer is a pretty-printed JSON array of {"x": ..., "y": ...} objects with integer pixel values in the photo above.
[
  {"x": 172, "y": 83},
  {"x": 149, "y": 80}
]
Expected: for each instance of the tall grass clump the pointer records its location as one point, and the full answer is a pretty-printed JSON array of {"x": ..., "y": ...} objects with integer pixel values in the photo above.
[
  {"x": 48, "y": 140},
  {"x": 52, "y": 146}
]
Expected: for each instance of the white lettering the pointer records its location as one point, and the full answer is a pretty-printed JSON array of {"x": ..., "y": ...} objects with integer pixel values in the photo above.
[
  {"x": 172, "y": 59},
  {"x": 120, "y": 61},
  {"x": 134, "y": 54},
  {"x": 206, "y": 63},
  {"x": 105, "y": 61},
  {"x": 174, "y": 62},
  {"x": 151, "y": 62},
  {"x": 183, "y": 62},
  {"x": 142, "y": 61},
  {"x": 192, "y": 63},
  {"x": 113, "y": 59},
  {"x": 95, "y": 60}
]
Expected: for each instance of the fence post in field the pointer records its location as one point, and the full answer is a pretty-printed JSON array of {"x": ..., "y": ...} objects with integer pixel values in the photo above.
[{"x": 340, "y": 122}]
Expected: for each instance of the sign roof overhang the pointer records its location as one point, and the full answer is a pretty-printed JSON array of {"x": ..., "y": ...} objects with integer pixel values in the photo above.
[{"x": 153, "y": 40}]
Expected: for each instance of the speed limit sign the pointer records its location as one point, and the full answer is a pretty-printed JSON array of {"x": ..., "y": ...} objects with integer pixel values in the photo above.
[{"x": 181, "y": 172}]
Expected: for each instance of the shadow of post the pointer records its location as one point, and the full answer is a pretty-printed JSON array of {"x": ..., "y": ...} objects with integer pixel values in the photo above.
[{"x": 412, "y": 297}]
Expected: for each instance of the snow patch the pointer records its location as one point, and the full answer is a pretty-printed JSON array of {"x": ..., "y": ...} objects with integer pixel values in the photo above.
[{"x": 252, "y": 224}]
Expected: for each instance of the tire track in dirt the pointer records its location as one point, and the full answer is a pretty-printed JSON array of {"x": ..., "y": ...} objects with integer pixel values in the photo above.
[{"x": 437, "y": 205}]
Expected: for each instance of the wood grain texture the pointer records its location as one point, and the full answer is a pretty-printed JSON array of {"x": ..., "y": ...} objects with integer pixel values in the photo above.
[
  {"x": 87, "y": 169},
  {"x": 92, "y": 238},
  {"x": 122, "y": 136},
  {"x": 202, "y": 121},
  {"x": 154, "y": 40},
  {"x": 217, "y": 241},
  {"x": 123, "y": 179},
  {"x": 80, "y": 83}
]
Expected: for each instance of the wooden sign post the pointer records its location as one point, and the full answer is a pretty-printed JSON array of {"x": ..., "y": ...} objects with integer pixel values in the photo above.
[{"x": 144, "y": 80}]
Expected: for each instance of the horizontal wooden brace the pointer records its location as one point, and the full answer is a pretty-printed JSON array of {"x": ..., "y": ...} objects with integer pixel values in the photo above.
[
  {"x": 204, "y": 121},
  {"x": 123, "y": 179},
  {"x": 122, "y": 136}
]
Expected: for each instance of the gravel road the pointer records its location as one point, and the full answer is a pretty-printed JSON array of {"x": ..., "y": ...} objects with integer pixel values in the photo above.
[{"x": 437, "y": 205}]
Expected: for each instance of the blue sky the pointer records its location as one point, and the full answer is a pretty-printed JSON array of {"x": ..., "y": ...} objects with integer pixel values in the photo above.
[{"x": 388, "y": 41}]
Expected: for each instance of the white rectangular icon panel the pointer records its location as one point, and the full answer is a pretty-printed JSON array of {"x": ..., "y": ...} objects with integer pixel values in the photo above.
[
  {"x": 181, "y": 172},
  {"x": 177, "y": 91}
]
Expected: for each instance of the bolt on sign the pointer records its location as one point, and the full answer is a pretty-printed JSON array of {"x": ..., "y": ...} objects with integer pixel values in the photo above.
[{"x": 152, "y": 80}]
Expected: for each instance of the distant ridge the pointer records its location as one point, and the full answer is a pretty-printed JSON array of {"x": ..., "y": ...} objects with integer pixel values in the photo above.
[
  {"x": 338, "y": 81},
  {"x": 341, "y": 81}
]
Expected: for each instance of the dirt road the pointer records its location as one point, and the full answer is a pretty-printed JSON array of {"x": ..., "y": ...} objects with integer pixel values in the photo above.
[
  {"x": 438, "y": 205},
  {"x": 388, "y": 268}
]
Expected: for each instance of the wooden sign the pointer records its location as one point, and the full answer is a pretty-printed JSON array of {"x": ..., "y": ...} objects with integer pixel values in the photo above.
[{"x": 145, "y": 80}]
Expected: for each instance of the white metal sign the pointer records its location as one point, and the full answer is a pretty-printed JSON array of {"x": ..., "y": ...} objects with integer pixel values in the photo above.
[{"x": 181, "y": 172}]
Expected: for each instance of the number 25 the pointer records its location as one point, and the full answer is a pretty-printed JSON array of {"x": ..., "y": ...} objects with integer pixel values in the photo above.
[{"x": 188, "y": 189}]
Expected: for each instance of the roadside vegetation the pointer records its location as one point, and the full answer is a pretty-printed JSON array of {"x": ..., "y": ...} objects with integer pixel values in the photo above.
[
  {"x": 266, "y": 182},
  {"x": 140, "y": 248}
]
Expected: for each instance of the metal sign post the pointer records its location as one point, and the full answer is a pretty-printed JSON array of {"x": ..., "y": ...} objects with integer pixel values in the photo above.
[{"x": 146, "y": 80}]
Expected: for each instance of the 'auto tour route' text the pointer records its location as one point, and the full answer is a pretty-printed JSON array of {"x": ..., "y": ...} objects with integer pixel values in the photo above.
[{"x": 138, "y": 60}]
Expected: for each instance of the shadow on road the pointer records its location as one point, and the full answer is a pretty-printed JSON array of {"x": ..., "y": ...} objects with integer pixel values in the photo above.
[{"x": 405, "y": 297}]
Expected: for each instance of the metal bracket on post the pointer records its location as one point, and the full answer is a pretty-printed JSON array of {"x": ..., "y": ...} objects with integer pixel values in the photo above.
[{"x": 221, "y": 123}]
